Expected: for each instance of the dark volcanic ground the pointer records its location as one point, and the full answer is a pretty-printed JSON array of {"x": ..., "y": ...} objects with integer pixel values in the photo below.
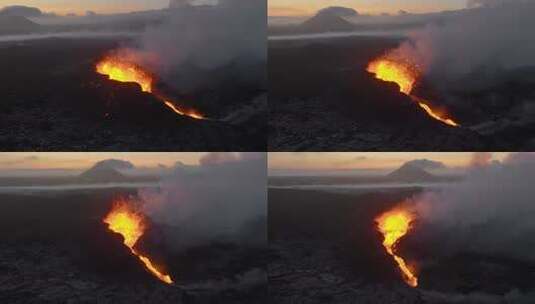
[
  {"x": 55, "y": 249},
  {"x": 53, "y": 100},
  {"x": 322, "y": 99},
  {"x": 325, "y": 249}
]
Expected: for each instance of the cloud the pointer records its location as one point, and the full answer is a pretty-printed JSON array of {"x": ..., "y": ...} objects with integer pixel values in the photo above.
[
  {"x": 490, "y": 212},
  {"x": 519, "y": 158},
  {"x": 215, "y": 158},
  {"x": 194, "y": 42},
  {"x": 20, "y": 161},
  {"x": 212, "y": 202},
  {"x": 481, "y": 159},
  {"x": 487, "y": 41},
  {"x": 492, "y": 3}
]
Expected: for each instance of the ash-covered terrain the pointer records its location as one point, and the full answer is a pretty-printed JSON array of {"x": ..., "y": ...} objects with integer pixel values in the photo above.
[
  {"x": 322, "y": 98},
  {"x": 107, "y": 235},
  {"x": 325, "y": 248},
  {"x": 472, "y": 65},
  {"x": 55, "y": 248},
  {"x": 54, "y": 100}
]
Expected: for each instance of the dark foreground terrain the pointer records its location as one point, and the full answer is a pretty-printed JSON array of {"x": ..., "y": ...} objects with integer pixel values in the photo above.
[
  {"x": 53, "y": 100},
  {"x": 55, "y": 249},
  {"x": 325, "y": 249},
  {"x": 322, "y": 99}
]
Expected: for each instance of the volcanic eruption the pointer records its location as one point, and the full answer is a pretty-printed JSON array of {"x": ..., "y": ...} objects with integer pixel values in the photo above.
[
  {"x": 129, "y": 223},
  {"x": 405, "y": 75},
  {"x": 123, "y": 70},
  {"x": 395, "y": 224}
]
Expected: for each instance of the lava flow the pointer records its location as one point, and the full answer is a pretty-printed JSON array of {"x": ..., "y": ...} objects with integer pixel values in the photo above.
[
  {"x": 124, "y": 71},
  {"x": 394, "y": 225},
  {"x": 405, "y": 75},
  {"x": 123, "y": 220}
]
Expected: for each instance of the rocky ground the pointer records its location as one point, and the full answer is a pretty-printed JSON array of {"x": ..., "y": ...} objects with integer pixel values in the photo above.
[
  {"x": 310, "y": 272},
  {"x": 322, "y": 99},
  {"x": 324, "y": 248},
  {"x": 55, "y": 249},
  {"x": 53, "y": 100},
  {"x": 43, "y": 273}
]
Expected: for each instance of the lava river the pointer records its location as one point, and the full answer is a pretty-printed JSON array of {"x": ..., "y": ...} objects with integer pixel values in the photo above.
[
  {"x": 394, "y": 225},
  {"x": 121, "y": 70},
  {"x": 124, "y": 220},
  {"x": 405, "y": 75}
]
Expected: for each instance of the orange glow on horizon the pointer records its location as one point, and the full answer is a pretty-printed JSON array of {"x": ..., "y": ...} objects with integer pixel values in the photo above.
[{"x": 295, "y": 8}]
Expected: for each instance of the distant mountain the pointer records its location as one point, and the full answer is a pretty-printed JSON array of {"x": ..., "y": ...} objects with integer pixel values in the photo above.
[
  {"x": 21, "y": 10},
  {"x": 324, "y": 22},
  {"x": 410, "y": 173},
  {"x": 102, "y": 174},
  {"x": 13, "y": 25}
]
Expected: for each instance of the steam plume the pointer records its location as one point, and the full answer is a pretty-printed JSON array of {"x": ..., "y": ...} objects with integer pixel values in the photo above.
[
  {"x": 495, "y": 37},
  {"x": 221, "y": 200},
  {"x": 490, "y": 212},
  {"x": 195, "y": 40}
]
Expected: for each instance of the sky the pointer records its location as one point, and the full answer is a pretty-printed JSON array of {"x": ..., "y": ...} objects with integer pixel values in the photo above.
[
  {"x": 80, "y": 7},
  {"x": 309, "y": 7},
  {"x": 84, "y": 160},
  {"x": 312, "y": 161}
]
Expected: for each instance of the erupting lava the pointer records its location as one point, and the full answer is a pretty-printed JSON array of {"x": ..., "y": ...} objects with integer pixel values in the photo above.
[
  {"x": 394, "y": 225},
  {"x": 131, "y": 225},
  {"x": 405, "y": 75},
  {"x": 124, "y": 71}
]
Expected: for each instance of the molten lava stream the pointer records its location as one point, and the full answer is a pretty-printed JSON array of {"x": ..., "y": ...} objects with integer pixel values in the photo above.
[
  {"x": 394, "y": 225},
  {"x": 124, "y": 71},
  {"x": 405, "y": 76},
  {"x": 131, "y": 225},
  {"x": 190, "y": 113}
]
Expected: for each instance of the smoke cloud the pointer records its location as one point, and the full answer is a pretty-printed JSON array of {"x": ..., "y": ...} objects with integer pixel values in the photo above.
[
  {"x": 488, "y": 40},
  {"x": 491, "y": 3},
  {"x": 196, "y": 40},
  {"x": 223, "y": 199},
  {"x": 490, "y": 212}
]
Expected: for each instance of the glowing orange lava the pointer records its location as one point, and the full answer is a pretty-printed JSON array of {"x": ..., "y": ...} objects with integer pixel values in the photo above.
[
  {"x": 122, "y": 219},
  {"x": 394, "y": 225},
  {"x": 405, "y": 75},
  {"x": 190, "y": 113},
  {"x": 124, "y": 71}
]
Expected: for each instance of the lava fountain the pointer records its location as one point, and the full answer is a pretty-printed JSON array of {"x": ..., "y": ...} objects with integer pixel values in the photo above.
[
  {"x": 122, "y": 70},
  {"x": 394, "y": 225},
  {"x": 122, "y": 219},
  {"x": 405, "y": 75}
]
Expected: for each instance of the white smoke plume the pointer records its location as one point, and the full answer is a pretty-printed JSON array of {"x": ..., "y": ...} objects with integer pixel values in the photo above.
[
  {"x": 490, "y": 212},
  {"x": 495, "y": 36},
  {"x": 223, "y": 199},
  {"x": 195, "y": 40}
]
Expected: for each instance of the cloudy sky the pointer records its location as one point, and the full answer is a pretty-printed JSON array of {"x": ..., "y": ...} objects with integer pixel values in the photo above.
[
  {"x": 79, "y": 7},
  {"x": 80, "y": 161},
  {"x": 309, "y": 7},
  {"x": 303, "y": 162}
]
